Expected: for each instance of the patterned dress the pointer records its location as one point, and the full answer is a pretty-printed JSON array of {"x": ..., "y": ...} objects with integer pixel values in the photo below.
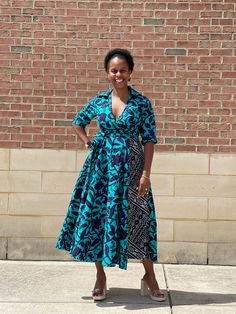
[{"x": 106, "y": 220}]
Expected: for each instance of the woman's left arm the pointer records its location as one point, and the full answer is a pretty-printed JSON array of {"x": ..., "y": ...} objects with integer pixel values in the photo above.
[
  {"x": 144, "y": 183},
  {"x": 148, "y": 134}
]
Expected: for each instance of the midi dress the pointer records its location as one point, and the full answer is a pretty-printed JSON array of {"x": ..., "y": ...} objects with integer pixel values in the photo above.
[{"x": 107, "y": 221}]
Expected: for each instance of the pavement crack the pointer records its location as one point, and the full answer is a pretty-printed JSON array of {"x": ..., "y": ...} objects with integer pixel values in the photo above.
[{"x": 167, "y": 289}]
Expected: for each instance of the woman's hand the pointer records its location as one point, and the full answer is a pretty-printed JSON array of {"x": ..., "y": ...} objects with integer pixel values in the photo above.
[{"x": 144, "y": 185}]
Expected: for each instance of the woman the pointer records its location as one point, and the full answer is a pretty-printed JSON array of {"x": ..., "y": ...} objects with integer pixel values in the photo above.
[{"x": 111, "y": 216}]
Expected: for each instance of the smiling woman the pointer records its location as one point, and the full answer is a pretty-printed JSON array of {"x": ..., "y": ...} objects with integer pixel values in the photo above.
[
  {"x": 119, "y": 75},
  {"x": 111, "y": 216}
]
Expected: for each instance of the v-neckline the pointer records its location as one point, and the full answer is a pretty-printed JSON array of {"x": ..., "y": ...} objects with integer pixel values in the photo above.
[{"x": 110, "y": 105}]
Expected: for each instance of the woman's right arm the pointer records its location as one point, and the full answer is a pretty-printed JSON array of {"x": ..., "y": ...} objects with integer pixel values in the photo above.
[
  {"x": 83, "y": 118},
  {"x": 80, "y": 131}
]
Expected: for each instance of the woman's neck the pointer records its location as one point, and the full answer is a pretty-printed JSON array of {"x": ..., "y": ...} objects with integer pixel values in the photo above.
[{"x": 121, "y": 93}]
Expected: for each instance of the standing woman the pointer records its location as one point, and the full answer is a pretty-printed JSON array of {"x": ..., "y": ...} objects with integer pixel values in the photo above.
[{"x": 111, "y": 216}]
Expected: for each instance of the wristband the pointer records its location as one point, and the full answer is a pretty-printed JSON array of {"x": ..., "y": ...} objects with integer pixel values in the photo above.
[
  {"x": 146, "y": 177},
  {"x": 88, "y": 144}
]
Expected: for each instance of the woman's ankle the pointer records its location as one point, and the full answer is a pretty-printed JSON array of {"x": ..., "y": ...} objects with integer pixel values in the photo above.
[
  {"x": 149, "y": 276},
  {"x": 101, "y": 275}
]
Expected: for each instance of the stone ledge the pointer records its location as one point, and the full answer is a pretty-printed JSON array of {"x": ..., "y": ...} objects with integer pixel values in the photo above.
[
  {"x": 165, "y": 230},
  {"x": 182, "y": 252},
  {"x": 43, "y": 159},
  {"x": 20, "y": 226},
  {"x": 58, "y": 182},
  {"x": 4, "y": 159},
  {"x": 222, "y": 208},
  {"x": 3, "y": 203},
  {"x": 222, "y": 231},
  {"x": 224, "y": 164},
  {"x": 191, "y": 231},
  {"x": 222, "y": 254},
  {"x": 181, "y": 207},
  {"x": 3, "y": 248},
  {"x": 205, "y": 185},
  {"x": 20, "y": 181},
  {"x": 38, "y": 204},
  {"x": 163, "y": 184},
  {"x": 35, "y": 249},
  {"x": 180, "y": 163}
]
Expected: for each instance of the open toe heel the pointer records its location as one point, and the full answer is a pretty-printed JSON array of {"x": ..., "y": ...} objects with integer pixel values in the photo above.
[
  {"x": 156, "y": 295},
  {"x": 99, "y": 294}
]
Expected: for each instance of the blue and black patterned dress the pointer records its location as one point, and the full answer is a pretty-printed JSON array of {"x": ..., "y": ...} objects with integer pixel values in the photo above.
[{"x": 106, "y": 220}]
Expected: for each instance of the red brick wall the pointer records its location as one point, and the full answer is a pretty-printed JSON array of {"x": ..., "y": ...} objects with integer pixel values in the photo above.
[{"x": 51, "y": 61}]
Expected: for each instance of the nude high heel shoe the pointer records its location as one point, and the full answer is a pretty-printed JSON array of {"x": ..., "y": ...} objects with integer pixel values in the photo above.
[
  {"x": 99, "y": 294},
  {"x": 156, "y": 295}
]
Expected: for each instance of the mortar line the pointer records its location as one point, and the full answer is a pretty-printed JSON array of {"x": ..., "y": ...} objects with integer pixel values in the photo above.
[{"x": 167, "y": 289}]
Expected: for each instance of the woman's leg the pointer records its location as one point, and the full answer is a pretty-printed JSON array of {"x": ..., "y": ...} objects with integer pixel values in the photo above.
[
  {"x": 150, "y": 277},
  {"x": 101, "y": 277}
]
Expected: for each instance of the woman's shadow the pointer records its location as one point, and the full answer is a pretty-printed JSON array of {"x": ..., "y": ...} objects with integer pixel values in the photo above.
[{"x": 131, "y": 299}]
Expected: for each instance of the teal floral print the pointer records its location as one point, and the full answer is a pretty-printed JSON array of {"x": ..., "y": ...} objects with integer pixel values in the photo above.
[{"x": 106, "y": 220}]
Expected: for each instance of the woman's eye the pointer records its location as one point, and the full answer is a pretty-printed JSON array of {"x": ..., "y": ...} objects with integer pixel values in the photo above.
[{"x": 122, "y": 71}]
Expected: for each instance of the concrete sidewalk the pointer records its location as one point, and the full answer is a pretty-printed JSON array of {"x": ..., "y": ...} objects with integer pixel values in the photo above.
[{"x": 65, "y": 287}]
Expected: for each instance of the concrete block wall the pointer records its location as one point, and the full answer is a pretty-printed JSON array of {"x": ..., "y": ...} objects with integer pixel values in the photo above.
[{"x": 195, "y": 198}]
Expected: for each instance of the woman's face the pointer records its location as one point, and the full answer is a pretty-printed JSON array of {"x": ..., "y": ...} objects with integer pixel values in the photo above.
[{"x": 118, "y": 72}]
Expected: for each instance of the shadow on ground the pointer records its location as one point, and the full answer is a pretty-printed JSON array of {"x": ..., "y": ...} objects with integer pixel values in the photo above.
[{"x": 130, "y": 299}]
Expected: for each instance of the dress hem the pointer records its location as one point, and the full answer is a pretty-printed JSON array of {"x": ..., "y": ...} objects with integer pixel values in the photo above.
[{"x": 154, "y": 259}]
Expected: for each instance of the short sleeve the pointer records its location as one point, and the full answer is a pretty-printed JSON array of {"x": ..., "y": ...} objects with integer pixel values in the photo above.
[
  {"x": 85, "y": 116},
  {"x": 147, "y": 127}
]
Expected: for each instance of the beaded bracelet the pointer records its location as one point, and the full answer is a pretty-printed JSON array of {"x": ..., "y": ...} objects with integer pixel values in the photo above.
[{"x": 146, "y": 177}]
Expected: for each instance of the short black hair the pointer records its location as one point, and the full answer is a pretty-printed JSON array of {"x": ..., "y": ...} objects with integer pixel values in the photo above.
[{"x": 118, "y": 52}]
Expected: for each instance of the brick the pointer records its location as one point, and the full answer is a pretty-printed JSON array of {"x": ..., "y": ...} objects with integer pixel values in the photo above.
[
  {"x": 150, "y": 21},
  {"x": 174, "y": 140},
  {"x": 21, "y": 49},
  {"x": 44, "y": 77},
  {"x": 175, "y": 52},
  {"x": 55, "y": 130},
  {"x": 9, "y": 144},
  {"x": 187, "y": 148},
  {"x": 63, "y": 123},
  {"x": 163, "y": 148},
  {"x": 31, "y": 130},
  {"x": 178, "y": 6},
  {"x": 4, "y": 137},
  {"x": 21, "y": 137}
]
